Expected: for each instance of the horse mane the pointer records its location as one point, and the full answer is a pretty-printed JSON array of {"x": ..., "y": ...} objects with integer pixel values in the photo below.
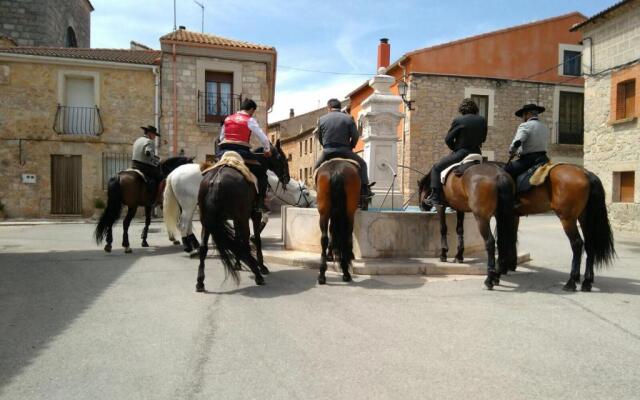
[{"x": 205, "y": 165}]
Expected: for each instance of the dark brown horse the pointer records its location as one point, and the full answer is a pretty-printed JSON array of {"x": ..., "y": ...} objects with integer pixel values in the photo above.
[
  {"x": 487, "y": 191},
  {"x": 225, "y": 195},
  {"x": 338, "y": 188},
  {"x": 129, "y": 189},
  {"x": 575, "y": 194}
]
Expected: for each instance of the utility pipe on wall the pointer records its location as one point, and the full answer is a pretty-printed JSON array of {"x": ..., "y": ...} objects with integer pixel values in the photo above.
[{"x": 174, "y": 150}]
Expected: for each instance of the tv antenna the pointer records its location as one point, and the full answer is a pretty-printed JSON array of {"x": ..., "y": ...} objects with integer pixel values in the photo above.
[{"x": 201, "y": 5}]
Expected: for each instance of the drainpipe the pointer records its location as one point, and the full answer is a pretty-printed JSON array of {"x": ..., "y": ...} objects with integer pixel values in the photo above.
[
  {"x": 174, "y": 150},
  {"x": 156, "y": 110},
  {"x": 404, "y": 129}
]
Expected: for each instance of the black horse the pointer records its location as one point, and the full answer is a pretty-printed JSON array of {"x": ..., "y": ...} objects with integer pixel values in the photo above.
[
  {"x": 130, "y": 189},
  {"x": 226, "y": 195}
]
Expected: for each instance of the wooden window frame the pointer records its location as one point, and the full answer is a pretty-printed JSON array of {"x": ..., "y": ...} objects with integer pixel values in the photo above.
[
  {"x": 217, "y": 78},
  {"x": 625, "y": 99}
]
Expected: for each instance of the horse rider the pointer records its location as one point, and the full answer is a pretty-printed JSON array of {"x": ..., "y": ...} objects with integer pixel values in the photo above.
[
  {"x": 530, "y": 142},
  {"x": 467, "y": 134},
  {"x": 144, "y": 157},
  {"x": 338, "y": 135},
  {"x": 235, "y": 135}
]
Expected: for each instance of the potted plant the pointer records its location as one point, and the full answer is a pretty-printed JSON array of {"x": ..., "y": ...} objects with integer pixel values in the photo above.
[{"x": 99, "y": 206}]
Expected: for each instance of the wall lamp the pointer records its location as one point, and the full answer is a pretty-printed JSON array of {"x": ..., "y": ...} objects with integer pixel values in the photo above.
[{"x": 402, "y": 90}]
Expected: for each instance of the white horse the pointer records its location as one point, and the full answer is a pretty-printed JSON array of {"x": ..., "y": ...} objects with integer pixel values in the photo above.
[{"x": 181, "y": 199}]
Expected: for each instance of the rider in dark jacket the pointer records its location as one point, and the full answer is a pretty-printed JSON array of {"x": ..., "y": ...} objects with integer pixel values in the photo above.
[{"x": 466, "y": 135}]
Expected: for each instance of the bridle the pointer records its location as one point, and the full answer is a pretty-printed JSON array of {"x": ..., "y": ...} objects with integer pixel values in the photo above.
[{"x": 302, "y": 194}]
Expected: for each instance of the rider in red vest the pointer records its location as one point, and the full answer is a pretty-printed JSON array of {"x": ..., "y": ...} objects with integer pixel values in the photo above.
[{"x": 235, "y": 135}]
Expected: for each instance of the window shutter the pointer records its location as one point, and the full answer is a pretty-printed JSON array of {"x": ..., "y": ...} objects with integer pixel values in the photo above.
[
  {"x": 630, "y": 98},
  {"x": 627, "y": 186},
  {"x": 620, "y": 101}
]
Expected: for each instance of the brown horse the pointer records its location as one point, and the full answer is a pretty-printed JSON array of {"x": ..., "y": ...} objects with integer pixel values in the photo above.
[
  {"x": 130, "y": 189},
  {"x": 338, "y": 188},
  {"x": 487, "y": 191},
  {"x": 575, "y": 194}
]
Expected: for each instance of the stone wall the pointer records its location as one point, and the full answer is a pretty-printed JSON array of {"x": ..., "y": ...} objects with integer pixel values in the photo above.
[
  {"x": 197, "y": 138},
  {"x": 615, "y": 41},
  {"x": 44, "y": 23},
  {"x": 28, "y": 101}
]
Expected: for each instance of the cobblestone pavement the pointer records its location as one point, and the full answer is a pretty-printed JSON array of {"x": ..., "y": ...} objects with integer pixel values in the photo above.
[{"x": 77, "y": 323}]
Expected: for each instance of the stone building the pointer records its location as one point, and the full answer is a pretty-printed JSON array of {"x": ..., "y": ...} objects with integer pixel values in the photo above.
[
  {"x": 51, "y": 23},
  {"x": 612, "y": 88},
  {"x": 68, "y": 118},
  {"x": 298, "y": 142},
  {"x": 501, "y": 73},
  {"x": 205, "y": 78}
]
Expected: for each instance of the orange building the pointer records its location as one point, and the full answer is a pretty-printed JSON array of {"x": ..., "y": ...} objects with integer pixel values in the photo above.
[{"x": 537, "y": 62}]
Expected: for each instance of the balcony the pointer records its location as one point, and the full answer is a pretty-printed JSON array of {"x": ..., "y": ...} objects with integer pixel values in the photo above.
[
  {"x": 70, "y": 120},
  {"x": 214, "y": 107}
]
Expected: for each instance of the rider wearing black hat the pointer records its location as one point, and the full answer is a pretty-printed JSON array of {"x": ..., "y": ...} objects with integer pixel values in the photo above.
[
  {"x": 144, "y": 157},
  {"x": 530, "y": 142}
]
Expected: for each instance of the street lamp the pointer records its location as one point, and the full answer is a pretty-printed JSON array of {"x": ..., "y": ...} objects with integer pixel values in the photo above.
[{"x": 402, "y": 90}]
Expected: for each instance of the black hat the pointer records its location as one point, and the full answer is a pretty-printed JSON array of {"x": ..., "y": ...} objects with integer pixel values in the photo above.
[
  {"x": 150, "y": 128},
  {"x": 529, "y": 107}
]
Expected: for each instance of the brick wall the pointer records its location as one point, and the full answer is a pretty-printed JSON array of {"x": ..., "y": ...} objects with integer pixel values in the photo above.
[{"x": 44, "y": 23}]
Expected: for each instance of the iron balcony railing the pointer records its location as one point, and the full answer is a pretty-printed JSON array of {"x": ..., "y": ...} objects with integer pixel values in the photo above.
[
  {"x": 570, "y": 133},
  {"x": 71, "y": 120},
  {"x": 214, "y": 107}
]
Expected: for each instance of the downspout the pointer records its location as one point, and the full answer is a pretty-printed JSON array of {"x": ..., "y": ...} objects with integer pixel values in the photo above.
[
  {"x": 156, "y": 110},
  {"x": 404, "y": 129},
  {"x": 174, "y": 150}
]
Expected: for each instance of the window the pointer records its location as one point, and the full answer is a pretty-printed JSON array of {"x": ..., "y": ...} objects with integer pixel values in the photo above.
[
  {"x": 571, "y": 118},
  {"x": 289, "y": 157},
  {"x": 626, "y": 99},
  {"x": 112, "y": 163},
  {"x": 77, "y": 113},
  {"x": 305, "y": 146},
  {"x": 300, "y": 149},
  {"x": 70, "y": 39},
  {"x": 300, "y": 174},
  {"x": 310, "y": 145},
  {"x": 623, "y": 186},
  {"x": 571, "y": 63},
  {"x": 483, "y": 104},
  {"x": 306, "y": 174},
  {"x": 218, "y": 95}
]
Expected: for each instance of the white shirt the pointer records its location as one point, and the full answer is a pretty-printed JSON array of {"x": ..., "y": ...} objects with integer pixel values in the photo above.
[{"x": 254, "y": 127}]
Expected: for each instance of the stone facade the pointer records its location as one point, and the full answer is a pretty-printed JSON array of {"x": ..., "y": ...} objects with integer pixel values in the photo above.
[
  {"x": 28, "y": 104},
  {"x": 611, "y": 145},
  {"x": 45, "y": 22},
  {"x": 436, "y": 104}
]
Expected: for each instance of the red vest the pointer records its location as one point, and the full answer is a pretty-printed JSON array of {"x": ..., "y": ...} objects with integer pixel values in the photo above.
[{"x": 236, "y": 128}]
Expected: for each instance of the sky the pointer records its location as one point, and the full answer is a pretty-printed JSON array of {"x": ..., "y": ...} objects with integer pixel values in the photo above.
[{"x": 337, "y": 38}]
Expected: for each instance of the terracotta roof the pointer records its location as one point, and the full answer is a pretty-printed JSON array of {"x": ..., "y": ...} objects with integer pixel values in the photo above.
[
  {"x": 601, "y": 14},
  {"x": 185, "y": 36},
  {"x": 148, "y": 57}
]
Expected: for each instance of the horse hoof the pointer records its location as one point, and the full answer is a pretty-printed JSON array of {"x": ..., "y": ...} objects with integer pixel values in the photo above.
[
  {"x": 200, "y": 287},
  {"x": 187, "y": 250},
  {"x": 496, "y": 282},
  {"x": 458, "y": 260},
  {"x": 264, "y": 270},
  {"x": 570, "y": 286},
  {"x": 145, "y": 244},
  {"x": 259, "y": 280},
  {"x": 322, "y": 280},
  {"x": 128, "y": 250},
  {"x": 586, "y": 286},
  {"x": 107, "y": 248},
  {"x": 175, "y": 242},
  {"x": 488, "y": 283},
  {"x": 346, "y": 278},
  {"x": 443, "y": 259}
]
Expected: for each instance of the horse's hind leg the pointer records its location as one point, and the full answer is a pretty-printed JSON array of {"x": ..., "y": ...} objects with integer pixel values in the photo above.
[
  {"x": 109, "y": 239},
  {"x": 570, "y": 227},
  {"x": 256, "y": 218},
  {"x": 493, "y": 278},
  {"x": 147, "y": 222},
  {"x": 203, "y": 255},
  {"x": 131, "y": 212},
  {"x": 444, "y": 245},
  {"x": 460, "y": 232},
  {"x": 242, "y": 234},
  {"x": 324, "y": 241}
]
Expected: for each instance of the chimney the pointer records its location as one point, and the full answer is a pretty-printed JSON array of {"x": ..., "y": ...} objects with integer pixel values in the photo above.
[
  {"x": 291, "y": 113},
  {"x": 384, "y": 53},
  {"x": 182, "y": 27}
]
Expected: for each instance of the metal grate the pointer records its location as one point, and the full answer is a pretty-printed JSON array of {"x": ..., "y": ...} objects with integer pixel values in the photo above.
[
  {"x": 214, "y": 107},
  {"x": 112, "y": 163},
  {"x": 78, "y": 121}
]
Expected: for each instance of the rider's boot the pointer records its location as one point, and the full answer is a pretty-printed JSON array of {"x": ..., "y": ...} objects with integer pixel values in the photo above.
[
  {"x": 365, "y": 196},
  {"x": 436, "y": 198}
]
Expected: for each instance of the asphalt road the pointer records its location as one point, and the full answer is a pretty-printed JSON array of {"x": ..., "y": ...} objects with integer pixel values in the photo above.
[{"x": 76, "y": 323}]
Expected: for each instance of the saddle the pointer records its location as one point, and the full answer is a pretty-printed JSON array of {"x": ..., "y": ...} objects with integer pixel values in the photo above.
[
  {"x": 459, "y": 168},
  {"x": 234, "y": 160},
  {"x": 137, "y": 171},
  {"x": 535, "y": 176},
  {"x": 355, "y": 163}
]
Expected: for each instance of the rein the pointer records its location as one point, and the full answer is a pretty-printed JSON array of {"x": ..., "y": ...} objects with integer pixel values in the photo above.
[{"x": 302, "y": 195}]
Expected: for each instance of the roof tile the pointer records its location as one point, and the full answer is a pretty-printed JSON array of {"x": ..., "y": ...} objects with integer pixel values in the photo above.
[
  {"x": 185, "y": 36},
  {"x": 148, "y": 57}
]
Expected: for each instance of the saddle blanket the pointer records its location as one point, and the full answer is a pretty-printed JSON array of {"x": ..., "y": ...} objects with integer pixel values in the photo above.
[
  {"x": 234, "y": 160},
  {"x": 137, "y": 171},
  {"x": 468, "y": 159},
  {"x": 535, "y": 176},
  {"x": 332, "y": 160}
]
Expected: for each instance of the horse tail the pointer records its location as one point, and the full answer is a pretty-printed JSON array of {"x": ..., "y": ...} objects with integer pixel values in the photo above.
[
  {"x": 171, "y": 209},
  {"x": 598, "y": 237},
  {"x": 507, "y": 234},
  {"x": 112, "y": 211},
  {"x": 341, "y": 242}
]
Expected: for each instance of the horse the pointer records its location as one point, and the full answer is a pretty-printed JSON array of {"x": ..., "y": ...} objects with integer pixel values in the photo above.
[
  {"x": 338, "y": 188},
  {"x": 129, "y": 188},
  {"x": 487, "y": 191},
  {"x": 575, "y": 195},
  {"x": 293, "y": 193},
  {"x": 225, "y": 194}
]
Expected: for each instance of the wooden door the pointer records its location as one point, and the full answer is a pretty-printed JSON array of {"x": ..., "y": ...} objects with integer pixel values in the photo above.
[{"x": 66, "y": 184}]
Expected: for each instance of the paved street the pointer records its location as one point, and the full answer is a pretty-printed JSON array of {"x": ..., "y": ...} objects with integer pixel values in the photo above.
[{"x": 77, "y": 323}]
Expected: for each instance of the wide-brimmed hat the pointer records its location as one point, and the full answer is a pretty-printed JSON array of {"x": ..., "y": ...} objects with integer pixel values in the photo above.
[
  {"x": 150, "y": 128},
  {"x": 530, "y": 107}
]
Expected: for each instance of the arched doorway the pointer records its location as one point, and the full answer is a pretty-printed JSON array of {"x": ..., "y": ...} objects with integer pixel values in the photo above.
[{"x": 70, "y": 39}]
